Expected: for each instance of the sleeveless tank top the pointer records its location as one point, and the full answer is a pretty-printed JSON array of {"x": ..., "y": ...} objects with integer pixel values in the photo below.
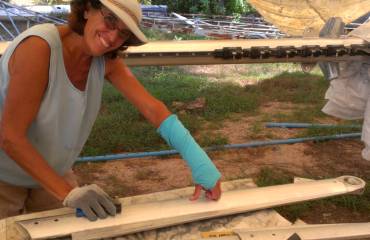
[{"x": 66, "y": 114}]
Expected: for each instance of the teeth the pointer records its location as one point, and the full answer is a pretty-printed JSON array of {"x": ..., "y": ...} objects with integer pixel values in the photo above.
[{"x": 105, "y": 44}]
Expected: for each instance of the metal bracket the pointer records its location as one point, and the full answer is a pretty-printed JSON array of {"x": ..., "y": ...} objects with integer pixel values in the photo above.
[{"x": 229, "y": 53}]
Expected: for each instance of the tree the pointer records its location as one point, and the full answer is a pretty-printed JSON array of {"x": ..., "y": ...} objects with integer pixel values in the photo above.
[
  {"x": 235, "y": 7},
  {"x": 215, "y": 7},
  {"x": 146, "y": 2}
]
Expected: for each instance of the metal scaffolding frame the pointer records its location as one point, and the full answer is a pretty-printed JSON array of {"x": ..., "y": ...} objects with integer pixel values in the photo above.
[{"x": 15, "y": 19}]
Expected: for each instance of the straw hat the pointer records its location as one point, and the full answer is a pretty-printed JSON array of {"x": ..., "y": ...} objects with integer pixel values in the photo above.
[{"x": 129, "y": 12}]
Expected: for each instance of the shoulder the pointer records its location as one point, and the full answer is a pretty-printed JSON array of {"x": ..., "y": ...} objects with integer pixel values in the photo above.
[
  {"x": 32, "y": 51},
  {"x": 32, "y": 47},
  {"x": 34, "y": 43},
  {"x": 113, "y": 65},
  {"x": 46, "y": 31}
]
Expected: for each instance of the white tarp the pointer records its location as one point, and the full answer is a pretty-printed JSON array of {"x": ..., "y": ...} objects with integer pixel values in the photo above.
[{"x": 349, "y": 94}]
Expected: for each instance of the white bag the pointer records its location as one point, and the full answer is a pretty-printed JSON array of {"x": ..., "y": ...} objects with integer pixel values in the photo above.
[
  {"x": 349, "y": 98},
  {"x": 348, "y": 94}
]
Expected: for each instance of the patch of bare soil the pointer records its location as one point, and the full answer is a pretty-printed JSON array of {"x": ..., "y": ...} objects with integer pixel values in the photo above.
[{"x": 318, "y": 160}]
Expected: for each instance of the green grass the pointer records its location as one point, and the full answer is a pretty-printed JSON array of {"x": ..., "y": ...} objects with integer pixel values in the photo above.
[
  {"x": 121, "y": 128},
  {"x": 255, "y": 130},
  {"x": 268, "y": 70},
  {"x": 270, "y": 177},
  {"x": 153, "y": 35},
  {"x": 305, "y": 90},
  {"x": 295, "y": 87},
  {"x": 225, "y": 98},
  {"x": 356, "y": 203},
  {"x": 339, "y": 129},
  {"x": 307, "y": 113},
  {"x": 210, "y": 139}
]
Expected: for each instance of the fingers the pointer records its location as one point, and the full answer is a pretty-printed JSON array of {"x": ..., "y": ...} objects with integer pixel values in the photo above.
[
  {"x": 197, "y": 192},
  {"x": 104, "y": 201},
  {"x": 214, "y": 193},
  {"x": 90, "y": 214},
  {"x": 107, "y": 204},
  {"x": 98, "y": 209}
]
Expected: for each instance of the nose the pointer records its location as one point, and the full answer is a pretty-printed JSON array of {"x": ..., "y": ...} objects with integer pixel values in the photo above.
[{"x": 113, "y": 36}]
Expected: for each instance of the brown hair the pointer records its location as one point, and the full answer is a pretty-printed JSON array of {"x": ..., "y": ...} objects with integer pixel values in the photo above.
[{"x": 76, "y": 20}]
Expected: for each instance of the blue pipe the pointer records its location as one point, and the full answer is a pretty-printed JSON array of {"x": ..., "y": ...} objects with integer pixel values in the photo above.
[
  {"x": 221, "y": 147},
  {"x": 308, "y": 125}
]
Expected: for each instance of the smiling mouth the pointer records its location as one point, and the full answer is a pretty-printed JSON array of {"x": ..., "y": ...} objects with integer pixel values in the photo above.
[{"x": 104, "y": 43}]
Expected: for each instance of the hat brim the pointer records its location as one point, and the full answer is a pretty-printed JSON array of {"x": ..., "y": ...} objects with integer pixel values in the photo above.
[{"x": 138, "y": 37}]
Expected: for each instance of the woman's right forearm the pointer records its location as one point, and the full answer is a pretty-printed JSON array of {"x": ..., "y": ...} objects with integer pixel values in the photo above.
[{"x": 31, "y": 161}]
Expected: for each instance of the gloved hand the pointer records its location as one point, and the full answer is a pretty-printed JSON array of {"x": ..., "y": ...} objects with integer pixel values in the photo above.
[{"x": 92, "y": 200}]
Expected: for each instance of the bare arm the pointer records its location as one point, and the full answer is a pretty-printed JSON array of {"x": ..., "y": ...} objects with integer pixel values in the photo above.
[
  {"x": 28, "y": 81},
  {"x": 122, "y": 78},
  {"x": 156, "y": 112}
]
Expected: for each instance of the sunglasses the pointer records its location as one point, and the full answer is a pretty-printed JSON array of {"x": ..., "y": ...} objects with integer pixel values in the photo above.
[{"x": 111, "y": 22}]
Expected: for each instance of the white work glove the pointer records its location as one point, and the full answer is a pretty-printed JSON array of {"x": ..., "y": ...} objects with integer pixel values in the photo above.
[{"x": 92, "y": 200}]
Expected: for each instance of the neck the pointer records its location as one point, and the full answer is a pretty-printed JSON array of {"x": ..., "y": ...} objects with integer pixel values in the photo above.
[{"x": 73, "y": 44}]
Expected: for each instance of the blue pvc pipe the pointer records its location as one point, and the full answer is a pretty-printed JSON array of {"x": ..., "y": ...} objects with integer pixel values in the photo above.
[
  {"x": 227, "y": 146},
  {"x": 307, "y": 125}
]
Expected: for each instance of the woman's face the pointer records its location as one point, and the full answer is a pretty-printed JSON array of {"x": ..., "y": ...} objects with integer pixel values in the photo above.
[{"x": 103, "y": 31}]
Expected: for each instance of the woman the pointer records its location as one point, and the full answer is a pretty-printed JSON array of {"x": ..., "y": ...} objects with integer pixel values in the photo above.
[{"x": 51, "y": 85}]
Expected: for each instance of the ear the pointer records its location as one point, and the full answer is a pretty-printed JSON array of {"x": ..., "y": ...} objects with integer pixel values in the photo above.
[{"x": 86, "y": 14}]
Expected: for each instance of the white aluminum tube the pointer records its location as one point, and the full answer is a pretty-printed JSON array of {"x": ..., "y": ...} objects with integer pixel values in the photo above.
[{"x": 146, "y": 216}]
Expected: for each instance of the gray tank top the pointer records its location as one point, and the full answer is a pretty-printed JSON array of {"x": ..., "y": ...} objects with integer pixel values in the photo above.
[{"x": 66, "y": 114}]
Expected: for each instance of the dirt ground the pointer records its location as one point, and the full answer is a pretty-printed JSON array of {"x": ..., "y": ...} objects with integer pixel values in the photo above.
[{"x": 315, "y": 160}]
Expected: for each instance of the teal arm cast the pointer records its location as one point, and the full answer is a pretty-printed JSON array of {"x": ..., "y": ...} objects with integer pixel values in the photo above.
[{"x": 204, "y": 172}]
